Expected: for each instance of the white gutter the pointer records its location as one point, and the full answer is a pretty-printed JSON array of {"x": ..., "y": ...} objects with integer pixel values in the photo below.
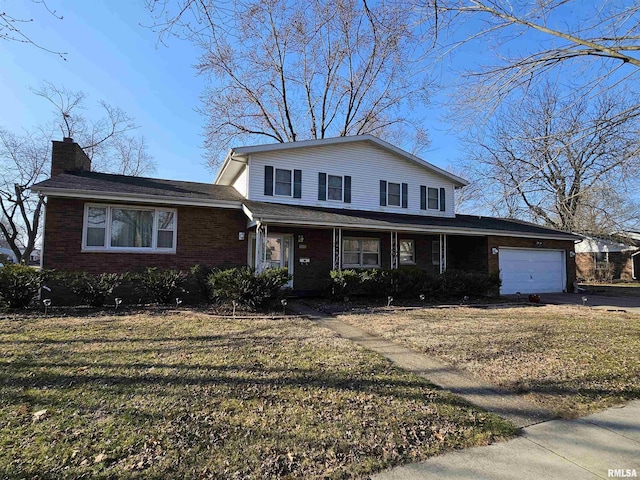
[
  {"x": 153, "y": 199},
  {"x": 408, "y": 228}
]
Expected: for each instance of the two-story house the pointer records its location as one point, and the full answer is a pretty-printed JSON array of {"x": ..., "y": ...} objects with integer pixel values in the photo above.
[{"x": 310, "y": 206}]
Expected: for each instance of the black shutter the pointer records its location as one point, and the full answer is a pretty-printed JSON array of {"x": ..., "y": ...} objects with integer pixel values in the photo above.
[
  {"x": 443, "y": 206},
  {"x": 268, "y": 180},
  {"x": 405, "y": 195},
  {"x": 423, "y": 197},
  {"x": 322, "y": 186},
  {"x": 383, "y": 193},
  {"x": 297, "y": 184},
  {"x": 347, "y": 189}
]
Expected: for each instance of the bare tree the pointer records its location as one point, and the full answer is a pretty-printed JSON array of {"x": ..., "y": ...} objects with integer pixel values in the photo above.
[
  {"x": 13, "y": 28},
  {"x": 564, "y": 162},
  {"x": 25, "y": 160},
  {"x": 593, "y": 47},
  {"x": 284, "y": 70}
]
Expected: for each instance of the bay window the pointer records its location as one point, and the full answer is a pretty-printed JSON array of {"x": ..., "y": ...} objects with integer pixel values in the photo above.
[{"x": 129, "y": 228}]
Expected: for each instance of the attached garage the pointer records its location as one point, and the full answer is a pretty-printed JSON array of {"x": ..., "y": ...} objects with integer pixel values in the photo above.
[{"x": 532, "y": 270}]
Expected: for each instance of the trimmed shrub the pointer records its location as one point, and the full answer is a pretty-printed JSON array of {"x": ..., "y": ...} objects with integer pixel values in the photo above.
[
  {"x": 456, "y": 283},
  {"x": 93, "y": 289},
  {"x": 19, "y": 284},
  {"x": 412, "y": 282},
  {"x": 200, "y": 275},
  {"x": 344, "y": 283},
  {"x": 248, "y": 289},
  {"x": 161, "y": 286}
]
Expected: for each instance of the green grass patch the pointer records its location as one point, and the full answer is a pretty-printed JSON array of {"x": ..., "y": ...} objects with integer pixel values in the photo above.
[
  {"x": 195, "y": 396},
  {"x": 572, "y": 360}
]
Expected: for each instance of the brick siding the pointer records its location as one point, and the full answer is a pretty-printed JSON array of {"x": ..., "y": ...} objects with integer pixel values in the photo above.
[
  {"x": 206, "y": 236},
  {"x": 620, "y": 267}
]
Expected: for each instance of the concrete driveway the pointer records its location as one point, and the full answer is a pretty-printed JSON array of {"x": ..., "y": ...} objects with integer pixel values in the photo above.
[
  {"x": 603, "y": 445},
  {"x": 631, "y": 304}
]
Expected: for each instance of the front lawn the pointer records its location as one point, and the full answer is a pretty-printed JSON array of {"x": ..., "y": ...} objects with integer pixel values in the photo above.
[
  {"x": 570, "y": 359},
  {"x": 194, "y": 396}
]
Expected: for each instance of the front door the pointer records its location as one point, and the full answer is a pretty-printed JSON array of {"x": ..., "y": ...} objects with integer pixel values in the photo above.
[{"x": 279, "y": 252}]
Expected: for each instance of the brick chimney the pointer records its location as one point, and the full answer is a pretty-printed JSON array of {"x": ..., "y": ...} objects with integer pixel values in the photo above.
[{"x": 67, "y": 156}]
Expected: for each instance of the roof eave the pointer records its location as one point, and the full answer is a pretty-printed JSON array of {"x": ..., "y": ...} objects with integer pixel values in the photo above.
[
  {"x": 405, "y": 228},
  {"x": 144, "y": 198}
]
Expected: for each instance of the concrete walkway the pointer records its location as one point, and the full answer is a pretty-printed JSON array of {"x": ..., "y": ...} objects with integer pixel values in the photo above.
[
  {"x": 493, "y": 399},
  {"x": 602, "y": 445},
  {"x": 587, "y": 448}
]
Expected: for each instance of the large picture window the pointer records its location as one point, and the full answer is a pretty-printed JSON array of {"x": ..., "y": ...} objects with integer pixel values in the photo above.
[
  {"x": 128, "y": 228},
  {"x": 360, "y": 252}
]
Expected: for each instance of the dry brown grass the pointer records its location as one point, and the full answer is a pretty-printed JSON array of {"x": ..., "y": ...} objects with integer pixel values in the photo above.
[
  {"x": 195, "y": 396},
  {"x": 572, "y": 360}
]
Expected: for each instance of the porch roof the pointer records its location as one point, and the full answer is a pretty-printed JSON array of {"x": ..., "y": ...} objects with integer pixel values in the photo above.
[{"x": 280, "y": 214}]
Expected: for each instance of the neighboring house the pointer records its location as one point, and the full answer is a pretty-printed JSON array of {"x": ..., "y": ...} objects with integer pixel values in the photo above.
[
  {"x": 311, "y": 206},
  {"x": 605, "y": 259},
  {"x": 6, "y": 251}
]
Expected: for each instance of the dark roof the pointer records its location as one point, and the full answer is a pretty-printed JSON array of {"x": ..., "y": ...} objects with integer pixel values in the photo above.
[
  {"x": 279, "y": 213},
  {"x": 127, "y": 185}
]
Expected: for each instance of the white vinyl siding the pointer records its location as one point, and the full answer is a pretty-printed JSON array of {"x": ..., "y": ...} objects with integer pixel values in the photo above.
[
  {"x": 366, "y": 164},
  {"x": 240, "y": 183}
]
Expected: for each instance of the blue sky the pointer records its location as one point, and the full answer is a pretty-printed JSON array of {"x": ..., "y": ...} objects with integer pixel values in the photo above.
[{"x": 111, "y": 57}]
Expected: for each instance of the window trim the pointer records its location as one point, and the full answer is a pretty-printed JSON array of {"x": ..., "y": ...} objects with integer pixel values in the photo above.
[
  {"x": 389, "y": 204},
  {"x": 360, "y": 252},
  {"x": 413, "y": 251},
  {"x": 275, "y": 182},
  {"x": 437, "y": 207},
  {"x": 341, "y": 177},
  {"x": 107, "y": 231}
]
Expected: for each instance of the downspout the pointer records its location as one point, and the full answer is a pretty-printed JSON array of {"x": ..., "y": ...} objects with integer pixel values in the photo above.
[{"x": 633, "y": 265}]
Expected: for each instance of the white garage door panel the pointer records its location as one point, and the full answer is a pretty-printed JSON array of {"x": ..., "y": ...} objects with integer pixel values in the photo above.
[{"x": 531, "y": 271}]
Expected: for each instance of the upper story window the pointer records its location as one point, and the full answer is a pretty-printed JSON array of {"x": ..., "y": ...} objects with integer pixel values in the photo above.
[
  {"x": 334, "y": 187},
  {"x": 432, "y": 198},
  {"x": 394, "y": 194},
  {"x": 360, "y": 252},
  {"x": 129, "y": 228},
  {"x": 282, "y": 182}
]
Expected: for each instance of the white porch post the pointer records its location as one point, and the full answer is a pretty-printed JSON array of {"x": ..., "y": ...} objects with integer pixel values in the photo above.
[
  {"x": 394, "y": 250},
  {"x": 337, "y": 249},
  {"x": 443, "y": 253},
  {"x": 261, "y": 247}
]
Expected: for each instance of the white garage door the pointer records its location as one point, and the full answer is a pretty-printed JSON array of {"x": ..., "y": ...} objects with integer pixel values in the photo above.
[{"x": 531, "y": 271}]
